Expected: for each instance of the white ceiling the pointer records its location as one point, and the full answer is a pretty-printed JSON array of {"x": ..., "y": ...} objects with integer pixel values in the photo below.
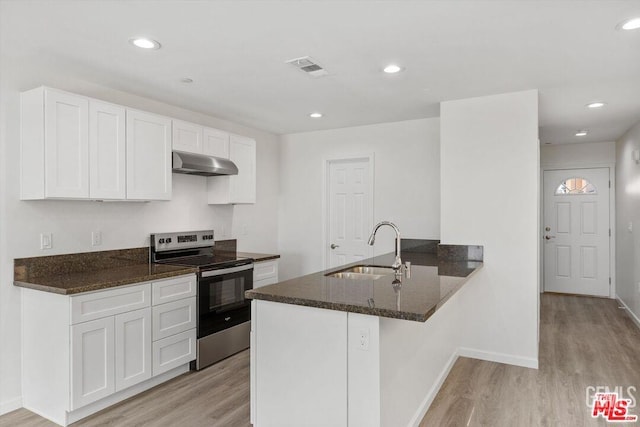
[{"x": 235, "y": 53}]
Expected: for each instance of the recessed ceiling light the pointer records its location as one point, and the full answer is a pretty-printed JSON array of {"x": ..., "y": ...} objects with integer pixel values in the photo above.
[
  {"x": 392, "y": 69},
  {"x": 581, "y": 133},
  {"x": 186, "y": 80},
  {"x": 598, "y": 104},
  {"x": 315, "y": 115},
  {"x": 630, "y": 24},
  {"x": 144, "y": 43}
]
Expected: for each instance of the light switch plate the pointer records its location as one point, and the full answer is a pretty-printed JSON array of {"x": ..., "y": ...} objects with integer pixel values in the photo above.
[
  {"x": 96, "y": 238},
  {"x": 46, "y": 241}
]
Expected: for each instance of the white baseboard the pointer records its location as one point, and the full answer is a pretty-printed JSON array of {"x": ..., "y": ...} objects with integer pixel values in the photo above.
[
  {"x": 508, "y": 359},
  {"x": 631, "y": 314},
  {"x": 10, "y": 405},
  {"x": 433, "y": 391}
]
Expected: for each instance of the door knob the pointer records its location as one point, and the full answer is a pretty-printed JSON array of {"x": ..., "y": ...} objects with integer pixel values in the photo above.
[
  {"x": 549, "y": 237},
  {"x": 333, "y": 246}
]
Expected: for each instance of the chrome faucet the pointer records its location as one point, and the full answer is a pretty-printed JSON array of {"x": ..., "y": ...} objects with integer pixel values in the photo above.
[{"x": 372, "y": 239}]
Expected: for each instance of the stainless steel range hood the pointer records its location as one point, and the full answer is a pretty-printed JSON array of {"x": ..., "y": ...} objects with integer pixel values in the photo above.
[{"x": 199, "y": 164}]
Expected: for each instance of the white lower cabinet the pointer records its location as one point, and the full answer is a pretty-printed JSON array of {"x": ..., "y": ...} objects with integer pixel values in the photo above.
[
  {"x": 174, "y": 351},
  {"x": 133, "y": 348},
  {"x": 265, "y": 273},
  {"x": 109, "y": 355},
  {"x": 174, "y": 317},
  {"x": 105, "y": 346},
  {"x": 92, "y": 361}
]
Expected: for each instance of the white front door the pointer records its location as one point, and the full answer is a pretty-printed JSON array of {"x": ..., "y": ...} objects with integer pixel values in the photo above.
[
  {"x": 576, "y": 231},
  {"x": 350, "y": 211}
]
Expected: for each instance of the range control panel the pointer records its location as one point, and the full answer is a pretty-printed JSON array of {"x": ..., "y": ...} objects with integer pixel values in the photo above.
[{"x": 183, "y": 240}]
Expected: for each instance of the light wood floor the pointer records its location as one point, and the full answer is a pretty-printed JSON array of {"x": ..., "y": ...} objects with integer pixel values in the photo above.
[
  {"x": 214, "y": 397},
  {"x": 583, "y": 342}
]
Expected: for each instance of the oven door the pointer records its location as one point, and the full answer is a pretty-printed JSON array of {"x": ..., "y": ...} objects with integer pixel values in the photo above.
[{"x": 221, "y": 302}]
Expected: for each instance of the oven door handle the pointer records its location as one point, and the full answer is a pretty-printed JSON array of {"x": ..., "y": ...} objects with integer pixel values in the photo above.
[{"x": 213, "y": 273}]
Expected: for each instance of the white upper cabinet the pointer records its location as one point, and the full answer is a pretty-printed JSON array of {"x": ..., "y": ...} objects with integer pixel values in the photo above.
[
  {"x": 240, "y": 188},
  {"x": 54, "y": 146},
  {"x": 148, "y": 156},
  {"x": 215, "y": 143},
  {"x": 107, "y": 151},
  {"x": 187, "y": 137},
  {"x": 193, "y": 138}
]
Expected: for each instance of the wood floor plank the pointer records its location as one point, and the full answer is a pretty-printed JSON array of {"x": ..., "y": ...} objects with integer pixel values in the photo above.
[{"x": 583, "y": 342}]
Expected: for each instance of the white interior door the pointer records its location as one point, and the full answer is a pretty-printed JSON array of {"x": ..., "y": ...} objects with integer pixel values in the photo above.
[
  {"x": 350, "y": 211},
  {"x": 577, "y": 231}
]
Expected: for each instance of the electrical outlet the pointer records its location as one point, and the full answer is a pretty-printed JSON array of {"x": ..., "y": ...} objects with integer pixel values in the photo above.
[
  {"x": 630, "y": 227},
  {"x": 245, "y": 230},
  {"x": 46, "y": 241},
  {"x": 96, "y": 238},
  {"x": 363, "y": 339}
]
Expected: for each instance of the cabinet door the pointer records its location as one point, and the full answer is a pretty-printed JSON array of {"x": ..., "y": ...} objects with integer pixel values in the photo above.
[
  {"x": 216, "y": 143},
  {"x": 187, "y": 137},
  {"x": 92, "y": 361},
  {"x": 106, "y": 151},
  {"x": 148, "y": 156},
  {"x": 242, "y": 151},
  {"x": 66, "y": 153},
  {"x": 133, "y": 348}
]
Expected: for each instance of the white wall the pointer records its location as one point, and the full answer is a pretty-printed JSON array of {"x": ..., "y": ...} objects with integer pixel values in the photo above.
[
  {"x": 578, "y": 155},
  {"x": 628, "y": 213},
  {"x": 407, "y": 186},
  {"x": 123, "y": 225},
  {"x": 490, "y": 196}
]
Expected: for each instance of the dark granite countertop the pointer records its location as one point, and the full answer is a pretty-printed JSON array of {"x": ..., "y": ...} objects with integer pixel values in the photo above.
[
  {"x": 433, "y": 280},
  {"x": 75, "y": 283},
  {"x": 257, "y": 257},
  {"x": 92, "y": 271}
]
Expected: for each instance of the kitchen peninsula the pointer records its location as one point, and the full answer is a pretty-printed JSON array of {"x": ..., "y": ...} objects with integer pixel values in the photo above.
[{"x": 365, "y": 349}]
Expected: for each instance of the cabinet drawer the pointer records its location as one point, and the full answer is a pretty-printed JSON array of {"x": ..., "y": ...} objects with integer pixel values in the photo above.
[
  {"x": 265, "y": 270},
  {"x": 173, "y": 317},
  {"x": 110, "y": 302},
  {"x": 176, "y": 350},
  {"x": 173, "y": 289}
]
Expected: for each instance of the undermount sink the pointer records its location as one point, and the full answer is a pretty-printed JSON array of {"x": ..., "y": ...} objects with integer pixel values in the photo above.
[{"x": 362, "y": 272}]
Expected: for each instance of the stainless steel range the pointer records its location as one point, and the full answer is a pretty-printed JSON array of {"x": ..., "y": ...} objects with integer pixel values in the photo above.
[{"x": 223, "y": 313}]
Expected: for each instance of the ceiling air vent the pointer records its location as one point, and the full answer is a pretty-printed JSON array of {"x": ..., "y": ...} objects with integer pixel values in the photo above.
[{"x": 309, "y": 66}]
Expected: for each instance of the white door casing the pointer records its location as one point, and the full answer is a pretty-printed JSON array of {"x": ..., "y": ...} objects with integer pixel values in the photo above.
[
  {"x": 576, "y": 233},
  {"x": 349, "y": 210}
]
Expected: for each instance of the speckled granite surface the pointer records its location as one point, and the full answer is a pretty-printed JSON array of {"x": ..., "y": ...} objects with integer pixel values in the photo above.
[
  {"x": 433, "y": 280},
  {"x": 91, "y": 271},
  {"x": 257, "y": 257}
]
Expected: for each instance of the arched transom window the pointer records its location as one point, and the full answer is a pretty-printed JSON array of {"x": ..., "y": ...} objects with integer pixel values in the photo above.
[{"x": 575, "y": 185}]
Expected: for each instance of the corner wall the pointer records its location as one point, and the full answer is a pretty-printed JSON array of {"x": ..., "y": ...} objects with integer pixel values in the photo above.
[
  {"x": 490, "y": 197},
  {"x": 628, "y": 222}
]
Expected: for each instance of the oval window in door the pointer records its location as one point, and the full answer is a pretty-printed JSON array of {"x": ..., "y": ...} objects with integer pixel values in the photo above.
[{"x": 575, "y": 185}]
